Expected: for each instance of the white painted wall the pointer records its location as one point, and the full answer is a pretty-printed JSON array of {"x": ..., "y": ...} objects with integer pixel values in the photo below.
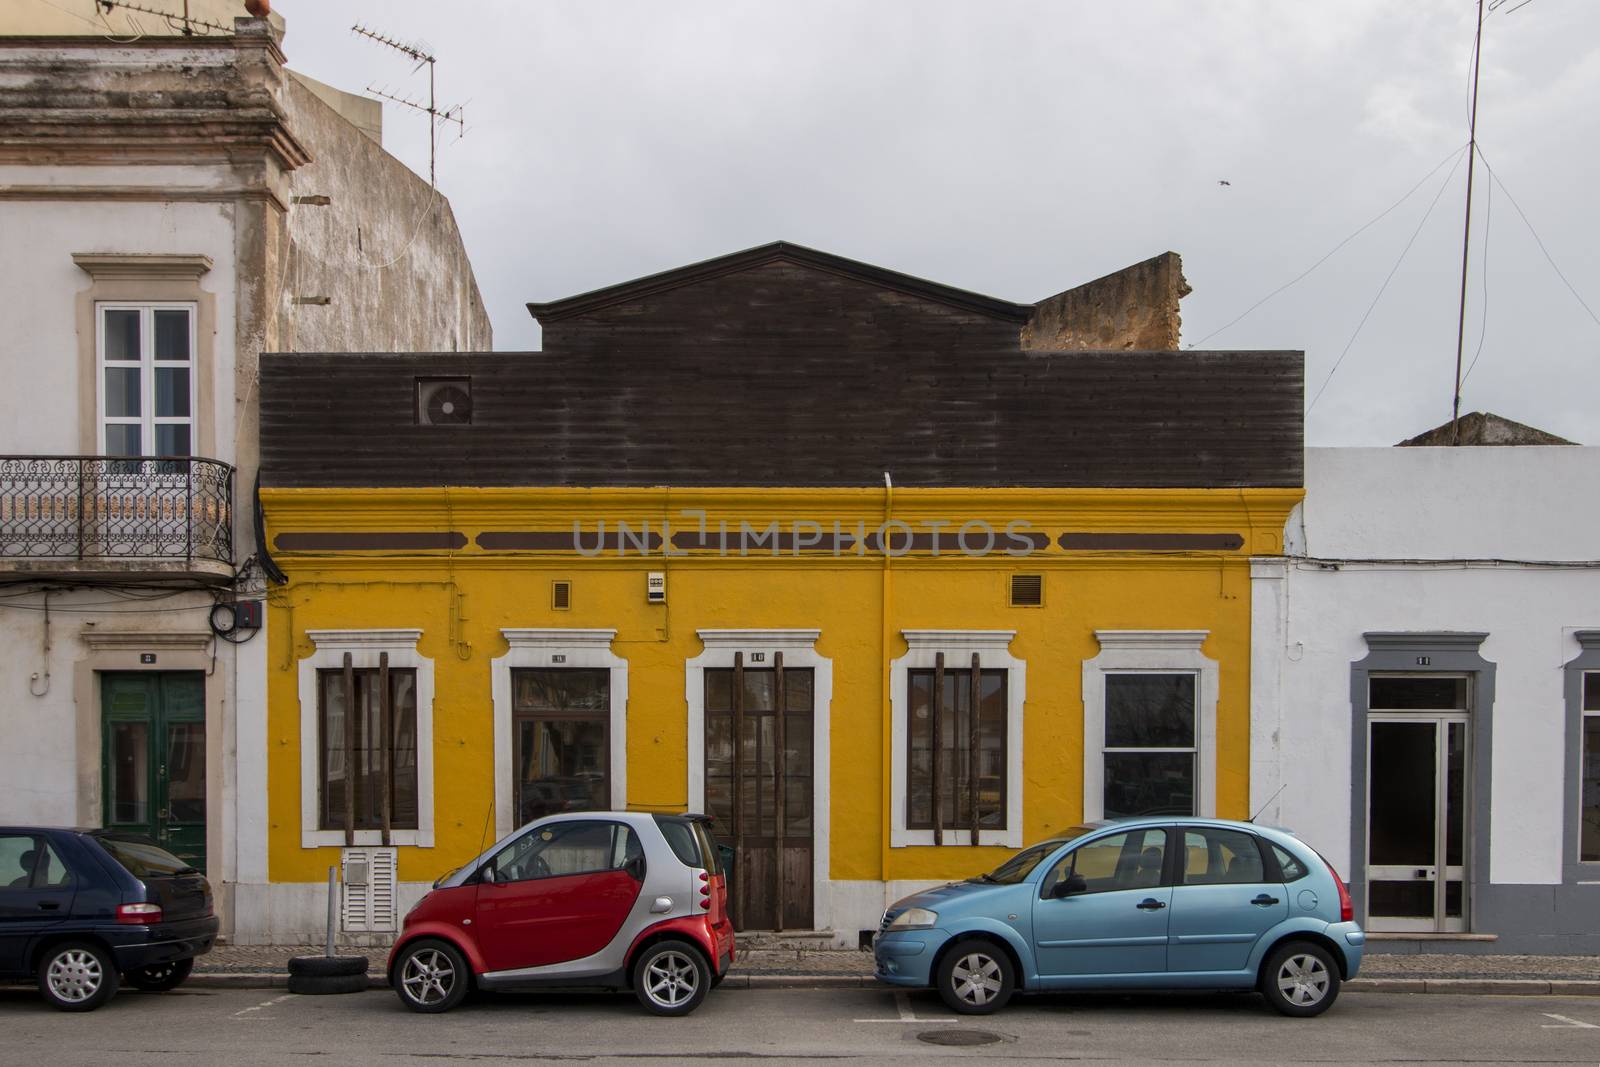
[
  {"x": 1432, "y": 506},
  {"x": 38, "y": 330}
]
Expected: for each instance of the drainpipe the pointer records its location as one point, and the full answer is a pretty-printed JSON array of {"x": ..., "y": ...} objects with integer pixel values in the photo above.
[{"x": 886, "y": 704}]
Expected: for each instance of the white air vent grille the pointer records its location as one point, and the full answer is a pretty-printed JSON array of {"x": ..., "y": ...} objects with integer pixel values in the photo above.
[
  {"x": 444, "y": 401},
  {"x": 368, "y": 875}
]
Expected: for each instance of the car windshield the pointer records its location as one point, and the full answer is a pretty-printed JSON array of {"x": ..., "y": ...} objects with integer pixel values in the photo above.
[{"x": 1021, "y": 865}]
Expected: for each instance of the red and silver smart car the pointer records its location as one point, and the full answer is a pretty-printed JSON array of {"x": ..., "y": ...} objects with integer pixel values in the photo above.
[{"x": 613, "y": 900}]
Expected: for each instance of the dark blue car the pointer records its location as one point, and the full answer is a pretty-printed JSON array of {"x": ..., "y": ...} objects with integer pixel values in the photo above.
[{"x": 81, "y": 909}]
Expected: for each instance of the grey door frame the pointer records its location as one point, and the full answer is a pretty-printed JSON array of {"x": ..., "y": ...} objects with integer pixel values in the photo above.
[{"x": 1433, "y": 652}]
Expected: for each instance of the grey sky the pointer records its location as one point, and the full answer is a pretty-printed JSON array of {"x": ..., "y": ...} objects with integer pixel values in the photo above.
[{"x": 1020, "y": 148}]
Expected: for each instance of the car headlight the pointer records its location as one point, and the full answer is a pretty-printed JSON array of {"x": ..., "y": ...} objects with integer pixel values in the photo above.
[{"x": 914, "y": 919}]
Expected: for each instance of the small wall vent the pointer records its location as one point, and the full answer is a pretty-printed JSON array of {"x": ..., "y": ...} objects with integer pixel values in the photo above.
[
  {"x": 561, "y": 595},
  {"x": 444, "y": 401},
  {"x": 1027, "y": 590}
]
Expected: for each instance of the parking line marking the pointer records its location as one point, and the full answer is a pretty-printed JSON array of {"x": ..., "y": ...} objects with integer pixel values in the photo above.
[
  {"x": 263, "y": 1004},
  {"x": 1564, "y": 1023},
  {"x": 902, "y": 1005}
]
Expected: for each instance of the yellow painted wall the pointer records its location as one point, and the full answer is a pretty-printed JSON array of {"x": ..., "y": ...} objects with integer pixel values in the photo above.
[{"x": 462, "y": 599}]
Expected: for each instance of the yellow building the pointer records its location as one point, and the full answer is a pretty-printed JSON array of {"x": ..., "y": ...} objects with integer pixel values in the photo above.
[{"x": 782, "y": 496}]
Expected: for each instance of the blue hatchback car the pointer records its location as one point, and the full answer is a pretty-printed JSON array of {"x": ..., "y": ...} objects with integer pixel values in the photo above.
[{"x": 1149, "y": 903}]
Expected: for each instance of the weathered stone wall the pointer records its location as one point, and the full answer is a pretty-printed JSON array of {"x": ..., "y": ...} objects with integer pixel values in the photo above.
[
  {"x": 380, "y": 266},
  {"x": 1134, "y": 309}
]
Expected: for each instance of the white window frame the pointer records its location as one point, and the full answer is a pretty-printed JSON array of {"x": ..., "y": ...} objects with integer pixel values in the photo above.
[
  {"x": 555, "y": 649},
  {"x": 364, "y": 646},
  {"x": 994, "y": 652},
  {"x": 1149, "y": 652},
  {"x": 147, "y": 420},
  {"x": 799, "y": 648}
]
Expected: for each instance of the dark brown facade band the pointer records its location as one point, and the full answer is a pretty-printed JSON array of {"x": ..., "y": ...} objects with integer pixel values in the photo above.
[
  {"x": 1150, "y": 542},
  {"x": 369, "y": 542},
  {"x": 565, "y": 541}
]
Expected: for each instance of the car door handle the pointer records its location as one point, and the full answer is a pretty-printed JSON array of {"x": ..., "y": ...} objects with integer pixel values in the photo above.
[
  {"x": 49, "y": 905},
  {"x": 1151, "y": 904},
  {"x": 1265, "y": 901}
]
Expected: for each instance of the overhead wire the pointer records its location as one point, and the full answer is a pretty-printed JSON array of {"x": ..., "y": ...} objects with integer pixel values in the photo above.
[
  {"x": 1537, "y": 239},
  {"x": 1454, "y": 155},
  {"x": 1382, "y": 288}
]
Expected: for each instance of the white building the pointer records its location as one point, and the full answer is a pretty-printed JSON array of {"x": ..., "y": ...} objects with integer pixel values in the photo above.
[
  {"x": 170, "y": 207},
  {"x": 1425, "y": 696}
]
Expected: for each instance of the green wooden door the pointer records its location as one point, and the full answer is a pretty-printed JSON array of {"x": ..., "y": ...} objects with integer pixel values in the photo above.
[{"x": 153, "y": 753}]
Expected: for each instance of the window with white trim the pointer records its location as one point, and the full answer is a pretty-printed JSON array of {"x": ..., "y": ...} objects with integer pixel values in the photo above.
[
  {"x": 954, "y": 755},
  {"x": 1150, "y": 750},
  {"x": 1149, "y": 725},
  {"x": 405, "y": 759},
  {"x": 147, "y": 381}
]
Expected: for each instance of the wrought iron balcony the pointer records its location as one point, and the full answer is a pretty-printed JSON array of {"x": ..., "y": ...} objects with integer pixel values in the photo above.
[{"x": 108, "y": 512}]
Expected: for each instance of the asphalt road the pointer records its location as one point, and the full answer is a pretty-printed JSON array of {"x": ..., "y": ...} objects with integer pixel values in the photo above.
[{"x": 262, "y": 1027}]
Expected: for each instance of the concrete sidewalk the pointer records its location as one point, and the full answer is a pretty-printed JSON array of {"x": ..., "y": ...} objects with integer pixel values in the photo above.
[{"x": 266, "y": 966}]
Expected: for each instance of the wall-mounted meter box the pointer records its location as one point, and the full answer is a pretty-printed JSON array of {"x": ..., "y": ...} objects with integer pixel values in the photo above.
[{"x": 655, "y": 587}]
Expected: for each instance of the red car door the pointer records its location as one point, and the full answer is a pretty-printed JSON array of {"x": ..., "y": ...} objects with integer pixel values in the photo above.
[{"x": 561, "y": 892}]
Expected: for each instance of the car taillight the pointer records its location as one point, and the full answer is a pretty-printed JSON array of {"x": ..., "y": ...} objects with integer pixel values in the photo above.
[
  {"x": 138, "y": 914},
  {"x": 705, "y": 891},
  {"x": 1347, "y": 907}
]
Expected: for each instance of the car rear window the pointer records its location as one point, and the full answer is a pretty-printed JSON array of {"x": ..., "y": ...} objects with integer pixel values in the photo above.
[
  {"x": 1293, "y": 869},
  {"x": 680, "y": 835},
  {"x": 141, "y": 857},
  {"x": 708, "y": 848}
]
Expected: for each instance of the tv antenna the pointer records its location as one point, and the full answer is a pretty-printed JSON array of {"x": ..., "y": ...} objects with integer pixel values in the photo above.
[
  {"x": 184, "y": 22},
  {"x": 419, "y": 52}
]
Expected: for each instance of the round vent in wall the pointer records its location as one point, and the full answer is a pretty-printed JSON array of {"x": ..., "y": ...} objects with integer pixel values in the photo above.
[{"x": 444, "y": 401}]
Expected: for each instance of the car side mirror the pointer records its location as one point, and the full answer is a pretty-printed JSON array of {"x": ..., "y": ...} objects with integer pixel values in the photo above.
[
  {"x": 635, "y": 868},
  {"x": 486, "y": 875},
  {"x": 1071, "y": 885}
]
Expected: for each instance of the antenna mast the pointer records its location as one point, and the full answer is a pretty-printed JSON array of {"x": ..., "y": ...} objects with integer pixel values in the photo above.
[
  {"x": 1466, "y": 232},
  {"x": 420, "y": 53}
]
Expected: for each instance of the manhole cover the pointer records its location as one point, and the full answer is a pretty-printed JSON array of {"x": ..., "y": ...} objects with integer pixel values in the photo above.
[{"x": 958, "y": 1037}]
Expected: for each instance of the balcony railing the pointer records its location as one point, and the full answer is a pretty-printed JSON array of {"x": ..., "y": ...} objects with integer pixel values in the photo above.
[{"x": 159, "y": 508}]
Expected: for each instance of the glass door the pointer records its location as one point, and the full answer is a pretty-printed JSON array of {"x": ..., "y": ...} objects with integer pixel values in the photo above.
[
  {"x": 153, "y": 751},
  {"x": 1417, "y": 759}
]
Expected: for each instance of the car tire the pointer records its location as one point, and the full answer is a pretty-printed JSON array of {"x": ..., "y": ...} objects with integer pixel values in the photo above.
[
  {"x": 1300, "y": 979},
  {"x": 77, "y": 976},
  {"x": 671, "y": 978},
  {"x": 160, "y": 977},
  {"x": 327, "y": 966},
  {"x": 431, "y": 976},
  {"x": 975, "y": 977}
]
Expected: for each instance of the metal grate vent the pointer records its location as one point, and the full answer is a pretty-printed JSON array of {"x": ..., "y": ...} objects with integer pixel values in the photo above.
[
  {"x": 561, "y": 595},
  {"x": 444, "y": 401},
  {"x": 368, "y": 875},
  {"x": 1027, "y": 590}
]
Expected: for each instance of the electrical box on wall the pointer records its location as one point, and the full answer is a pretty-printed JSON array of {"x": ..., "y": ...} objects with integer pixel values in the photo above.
[
  {"x": 655, "y": 587},
  {"x": 247, "y": 615}
]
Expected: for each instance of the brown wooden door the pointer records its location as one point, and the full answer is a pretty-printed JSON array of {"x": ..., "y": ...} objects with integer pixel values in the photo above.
[{"x": 760, "y": 791}]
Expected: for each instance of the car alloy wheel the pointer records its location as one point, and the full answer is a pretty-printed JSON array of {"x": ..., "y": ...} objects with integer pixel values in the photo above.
[
  {"x": 671, "y": 979},
  {"x": 77, "y": 976},
  {"x": 428, "y": 977},
  {"x": 976, "y": 979},
  {"x": 1303, "y": 980}
]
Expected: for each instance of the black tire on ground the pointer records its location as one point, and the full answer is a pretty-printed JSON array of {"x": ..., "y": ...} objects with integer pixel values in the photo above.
[
  {"x": 975, "y": 977},
  {"x": 160, "y": 977},
  {"x": 1301, "y": 979},
  {"x": 77, "y": 976},
  {"x": 322, "y": 984},
  {"x": 327, "y": 966},
  {"x": 431, "y": 976},
  {"x": 671, "y": 978}
]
